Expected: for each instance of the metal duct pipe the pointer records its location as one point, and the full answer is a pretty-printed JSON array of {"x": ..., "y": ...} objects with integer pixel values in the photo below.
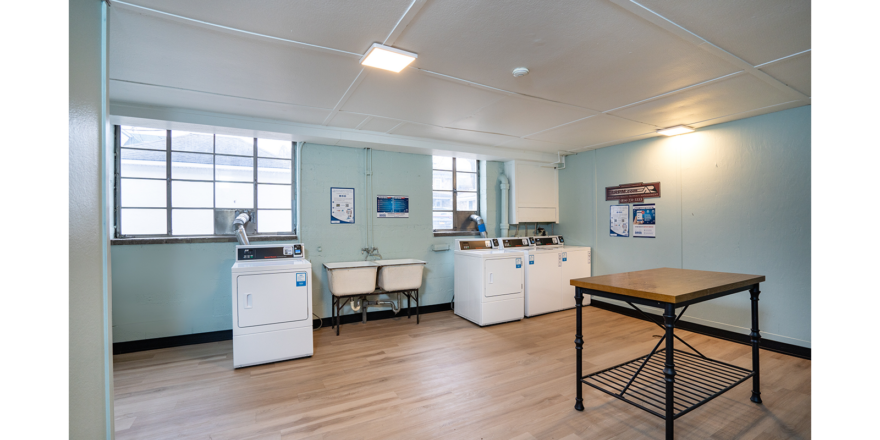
[
  {"x": 505, "y": 186},
  {"x": 480, "y": 225},
  {"x": 239, "y": 223}
]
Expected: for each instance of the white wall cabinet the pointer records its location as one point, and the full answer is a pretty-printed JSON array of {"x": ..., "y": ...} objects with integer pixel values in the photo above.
[{"x": 534, "y": 192}]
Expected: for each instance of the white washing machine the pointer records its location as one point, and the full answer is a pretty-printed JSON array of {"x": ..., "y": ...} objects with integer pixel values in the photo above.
[
  {"x": 541, "y": 275},
  {"x": 271, "y": 304},
  {"x": 488, "y": 282},
  {"x": 557, "y": 265}
]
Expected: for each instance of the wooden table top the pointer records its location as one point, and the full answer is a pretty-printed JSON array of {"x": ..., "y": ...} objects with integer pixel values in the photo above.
[{"x": 667, "y": 284}]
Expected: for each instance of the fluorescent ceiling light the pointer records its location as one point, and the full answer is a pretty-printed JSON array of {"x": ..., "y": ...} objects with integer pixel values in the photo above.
[
  {"x": 678, "y": 129},
  {"x": 387, "y": 57}
]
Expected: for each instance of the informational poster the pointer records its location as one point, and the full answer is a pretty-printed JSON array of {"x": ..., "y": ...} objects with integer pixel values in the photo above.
[
  {"x": 620, "y": 220},
  {"x": 392, "y": 206},
  {"x": 341, "y": 205},
  {"x": 644, "y": 220}
]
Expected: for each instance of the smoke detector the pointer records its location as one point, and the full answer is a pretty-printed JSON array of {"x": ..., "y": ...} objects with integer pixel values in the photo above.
[{"x": 520, "y": 71}]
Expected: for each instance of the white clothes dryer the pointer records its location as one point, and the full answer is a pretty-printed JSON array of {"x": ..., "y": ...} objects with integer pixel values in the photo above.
[
  {"x": 271, "y": 304},
  {"x": 488, "y": 282},
  {"x": 555, "y": 265}
]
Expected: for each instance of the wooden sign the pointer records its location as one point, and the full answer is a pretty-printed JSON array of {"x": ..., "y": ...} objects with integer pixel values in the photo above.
[{"x": 632, "y": 192}]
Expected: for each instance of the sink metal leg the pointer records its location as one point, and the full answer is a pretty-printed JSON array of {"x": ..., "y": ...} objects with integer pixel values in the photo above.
[{"x": 364, "y": 310}]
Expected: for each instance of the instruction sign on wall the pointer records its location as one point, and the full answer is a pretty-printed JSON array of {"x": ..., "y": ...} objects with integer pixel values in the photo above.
[
  {"x": 644, "y": 220},
  {"x": 341, "y": 205},
  {"x": 619, "y": 221},
  {"x": 392, "y": 206}
]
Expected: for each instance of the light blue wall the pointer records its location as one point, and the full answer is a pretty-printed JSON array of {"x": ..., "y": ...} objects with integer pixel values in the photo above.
[
  {"x": 176, "y": 289},
  {"x": 735, "y": 198}
]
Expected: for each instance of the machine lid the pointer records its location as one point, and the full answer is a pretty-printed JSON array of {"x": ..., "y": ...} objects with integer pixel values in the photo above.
[{"x": 509, "y": 243}]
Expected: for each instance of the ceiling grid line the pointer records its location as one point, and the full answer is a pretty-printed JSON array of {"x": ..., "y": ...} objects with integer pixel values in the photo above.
[
  {"x": 404, "y": 21},
  {"x": 214, "y": 26},
  {"x": 678, "y": 30}
]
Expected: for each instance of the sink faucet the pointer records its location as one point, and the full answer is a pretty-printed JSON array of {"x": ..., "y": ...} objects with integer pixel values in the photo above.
[{"x": 371, "y": 252}]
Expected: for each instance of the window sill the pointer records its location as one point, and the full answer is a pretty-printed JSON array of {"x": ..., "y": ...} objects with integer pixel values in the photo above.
[
  {"x": 456, "y": 233},
  {"x": 208, "y": 239}
]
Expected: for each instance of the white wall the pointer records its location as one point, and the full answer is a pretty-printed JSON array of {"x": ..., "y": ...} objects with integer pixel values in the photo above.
[
  {"x": 735, "y": 198},
  {"x": 90, "y": 369}
]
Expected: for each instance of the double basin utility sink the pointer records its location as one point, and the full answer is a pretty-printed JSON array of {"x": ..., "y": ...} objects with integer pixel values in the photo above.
[{"x": 362, "y": 277}]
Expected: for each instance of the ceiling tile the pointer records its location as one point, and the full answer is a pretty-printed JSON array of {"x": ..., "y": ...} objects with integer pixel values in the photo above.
[
  {"x": 591, "y": 54},
  {"x": 379, "y": 124},
  {"x": 350, "y": 25},
  {"x": 417, "y": 97},
  {"x": 347, "y": 120},
  {"x": 737, "y": 94},
  {"x": 152, "y": 50},
  {"x": 448, "y": 134},
  {"x": 533, "y": 145},
  {"x": 124, "y": 92},
  {"x": 519, "y": 116},
  {"x": 757, "y": 31},
  {"x": 595, "y": 130},
  {"x": 795, "y": 72}
]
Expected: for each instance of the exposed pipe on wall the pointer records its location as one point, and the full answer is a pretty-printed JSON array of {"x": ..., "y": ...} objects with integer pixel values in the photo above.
[
  {"x": 505, "y": 186},
  {"x": 239, "y": 224}
]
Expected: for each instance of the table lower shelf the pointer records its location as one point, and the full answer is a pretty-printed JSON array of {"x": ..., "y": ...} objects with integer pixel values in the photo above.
[{"x": 697, "y": 381}]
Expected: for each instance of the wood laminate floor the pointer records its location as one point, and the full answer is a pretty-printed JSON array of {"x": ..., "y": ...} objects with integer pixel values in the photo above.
[{"x": 446, "y": 379}]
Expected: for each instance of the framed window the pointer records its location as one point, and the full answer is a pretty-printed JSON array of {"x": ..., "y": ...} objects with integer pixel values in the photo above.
[
  {"x": 456, "y": 195},
  {"x": 178, "y": 183}
]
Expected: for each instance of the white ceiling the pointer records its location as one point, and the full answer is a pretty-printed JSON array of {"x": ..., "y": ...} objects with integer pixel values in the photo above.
[{"x": 602, "y": 71}]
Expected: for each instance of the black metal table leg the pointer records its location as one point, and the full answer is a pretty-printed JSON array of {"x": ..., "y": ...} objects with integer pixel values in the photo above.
[
  {"x": 756, "y": 342},
  {"x": 579, "y": 346},
  {"x": 669, "y": 370}
]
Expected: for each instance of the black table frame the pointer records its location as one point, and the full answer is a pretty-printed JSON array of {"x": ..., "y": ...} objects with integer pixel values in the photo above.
[
  {"x": 701, "y": 379},
  {"x": 339, "y": 302}
]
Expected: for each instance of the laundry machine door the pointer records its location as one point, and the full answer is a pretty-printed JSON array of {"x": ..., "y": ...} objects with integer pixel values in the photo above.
[
  {"x": 270, "y": 298},
  {"x": 503, "y": 277}
]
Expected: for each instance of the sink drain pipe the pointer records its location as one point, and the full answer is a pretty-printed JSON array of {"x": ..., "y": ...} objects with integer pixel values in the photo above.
[{"x": 357, "y": 304}]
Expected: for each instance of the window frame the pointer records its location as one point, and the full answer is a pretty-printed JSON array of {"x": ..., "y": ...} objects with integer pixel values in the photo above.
[
  {"x": 476, "y": 173},
  {"x": 167, "y": 237}
]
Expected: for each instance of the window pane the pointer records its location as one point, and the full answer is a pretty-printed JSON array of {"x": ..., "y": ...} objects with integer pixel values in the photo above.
[
  {"x": 466, "y": 181},
  {"x": 192, "y": 166},
  {"x": 236, "y": 169},
  {"x": 242, "y": 146},
  {"x": 143, "y": 193},
  {"x": 274, "y": 221},
  {"x": 136, "y": 137},
  {"x": 273, "y": 170},
  {"x": 466, "y": 165},
  {"x": 192, "y": 222},
  {"x": 273, "y": 196},
  {"x": 273, "y": 148},
  {"x": 197, "y": 142},
  {"x": 443, "y": 200},
  {"x": 192, "y": 195},
  {"x": 234, "y": 195},
  {"x": 442, "y": 163},
  {"x": 144, "y": 222},
  {"x": 442, "y": 220},
  {"x": 136, "y": 163},
  {"x": 443, "y": 180},
  {"x": 466, "y": 201}
]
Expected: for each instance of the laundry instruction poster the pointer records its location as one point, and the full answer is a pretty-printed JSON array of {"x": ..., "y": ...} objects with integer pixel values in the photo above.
[
  {"x": 392, "y": 206},
  {"x": 341, "y": 205},
  {"x": 644, "y": 220},
  {"x": 620, "y": 220}
]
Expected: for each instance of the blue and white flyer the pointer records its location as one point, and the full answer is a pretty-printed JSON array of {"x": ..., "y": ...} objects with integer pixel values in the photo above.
[
  {"x": 620, "y": 220},
  {"x": 392, "y": 206},
  {"x": 341, "y": 205},
  {"x": 644, "y": 220}
]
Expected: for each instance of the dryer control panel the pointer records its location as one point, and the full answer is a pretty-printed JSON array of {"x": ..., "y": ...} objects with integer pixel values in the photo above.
[
  {"x": 510, "y": 243},
  {"x": 475, "y": 245},
  {"x": 552, "y": 240},
  {"x": 269, "y": 252}
]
